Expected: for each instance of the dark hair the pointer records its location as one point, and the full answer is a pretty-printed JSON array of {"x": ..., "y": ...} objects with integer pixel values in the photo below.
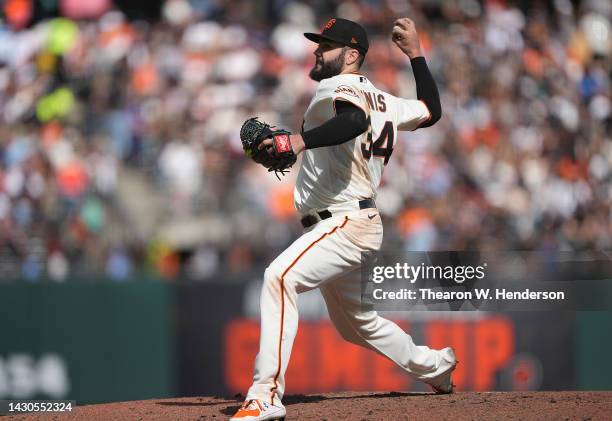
[{"x": 360, "y": 59}]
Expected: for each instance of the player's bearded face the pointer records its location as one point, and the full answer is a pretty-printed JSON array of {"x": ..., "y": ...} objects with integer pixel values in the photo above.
[{"x": 324, "y": 69}]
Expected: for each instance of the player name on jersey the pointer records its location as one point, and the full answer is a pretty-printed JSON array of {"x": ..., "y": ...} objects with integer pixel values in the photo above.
[{"x": 375, "y": 101}]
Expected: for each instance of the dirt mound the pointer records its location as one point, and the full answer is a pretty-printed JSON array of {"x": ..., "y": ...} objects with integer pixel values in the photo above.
[{"x": 366, "y": 406}]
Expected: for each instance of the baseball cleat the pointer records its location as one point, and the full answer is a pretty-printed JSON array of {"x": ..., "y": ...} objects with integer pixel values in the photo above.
[
  {"x": 443, "y": 384},
  {"x": 259, "y": 410}
]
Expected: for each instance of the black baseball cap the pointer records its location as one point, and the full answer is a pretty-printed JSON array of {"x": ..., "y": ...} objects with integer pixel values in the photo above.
[{"x": 342, "y": 31}]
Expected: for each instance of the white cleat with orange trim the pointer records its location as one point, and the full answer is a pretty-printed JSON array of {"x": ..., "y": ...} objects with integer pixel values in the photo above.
[{"x": 259, "y": 410}]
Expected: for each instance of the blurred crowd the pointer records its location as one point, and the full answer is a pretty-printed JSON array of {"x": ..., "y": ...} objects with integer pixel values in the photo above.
[{"x": 120, "y": 156}]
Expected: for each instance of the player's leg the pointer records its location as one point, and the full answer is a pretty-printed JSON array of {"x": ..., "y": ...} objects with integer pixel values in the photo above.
[
  {"x": 279, "y": 322},
  {"x": 368, "y": 329},
  {"x": 331, "y": 249}
]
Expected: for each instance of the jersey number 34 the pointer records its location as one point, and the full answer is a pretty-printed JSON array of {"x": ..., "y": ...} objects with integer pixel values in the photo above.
[{"x": 383, "y": 146}]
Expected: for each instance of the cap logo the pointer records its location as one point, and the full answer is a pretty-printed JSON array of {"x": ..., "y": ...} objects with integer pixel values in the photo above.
[
  {"x": 353, "y": 40},
  {"x": 329, "y": 24}
]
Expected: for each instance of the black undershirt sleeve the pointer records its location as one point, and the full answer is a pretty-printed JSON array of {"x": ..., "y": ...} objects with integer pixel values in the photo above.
[
  {"x": 349, "y": 122},
  {"x": 427, "y": 91}
]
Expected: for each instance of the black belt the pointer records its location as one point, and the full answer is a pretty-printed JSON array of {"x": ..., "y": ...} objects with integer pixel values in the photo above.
[{"x": 310, "y": 220}]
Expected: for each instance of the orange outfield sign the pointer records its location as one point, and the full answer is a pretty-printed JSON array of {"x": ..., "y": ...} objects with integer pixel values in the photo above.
[{"x": 321, "y": 361}]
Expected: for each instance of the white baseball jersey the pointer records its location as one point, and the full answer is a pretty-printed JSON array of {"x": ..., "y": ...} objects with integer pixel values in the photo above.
[{"x": 352, "y": 170}]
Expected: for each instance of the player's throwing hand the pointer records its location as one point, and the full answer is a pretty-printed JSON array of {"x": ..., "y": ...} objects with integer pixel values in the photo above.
[{"x": 405, "y": 36}]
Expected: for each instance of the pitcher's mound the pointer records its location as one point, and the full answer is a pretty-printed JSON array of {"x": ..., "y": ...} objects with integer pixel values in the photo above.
[{"x": 358, "y": 406}]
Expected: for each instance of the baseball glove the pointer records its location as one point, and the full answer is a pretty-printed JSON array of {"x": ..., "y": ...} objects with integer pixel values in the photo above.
[{"x": 278, "y": 157}]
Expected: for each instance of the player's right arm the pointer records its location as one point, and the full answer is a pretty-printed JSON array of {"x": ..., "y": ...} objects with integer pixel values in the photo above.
[{"x": 426, "y": 110}]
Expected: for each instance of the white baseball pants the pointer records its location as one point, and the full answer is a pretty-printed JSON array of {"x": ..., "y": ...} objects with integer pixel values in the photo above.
[{"x": 321, "y": 258}]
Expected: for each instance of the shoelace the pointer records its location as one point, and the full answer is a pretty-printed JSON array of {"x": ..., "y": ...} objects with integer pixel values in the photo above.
[{"x": 246, "y": 404}]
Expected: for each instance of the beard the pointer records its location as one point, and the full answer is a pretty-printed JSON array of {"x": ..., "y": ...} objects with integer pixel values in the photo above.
[{"x": 323, "y": 70}]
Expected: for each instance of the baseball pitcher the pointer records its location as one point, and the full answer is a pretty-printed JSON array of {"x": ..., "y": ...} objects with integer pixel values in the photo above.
[{"x": 347, "y": 138}]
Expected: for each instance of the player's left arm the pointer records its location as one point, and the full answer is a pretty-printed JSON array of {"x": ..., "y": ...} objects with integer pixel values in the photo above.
[
  {"x": 405, "y": 36},
  {"x": 349, "y": 122},
  {"x": 349, "y": 119}
]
